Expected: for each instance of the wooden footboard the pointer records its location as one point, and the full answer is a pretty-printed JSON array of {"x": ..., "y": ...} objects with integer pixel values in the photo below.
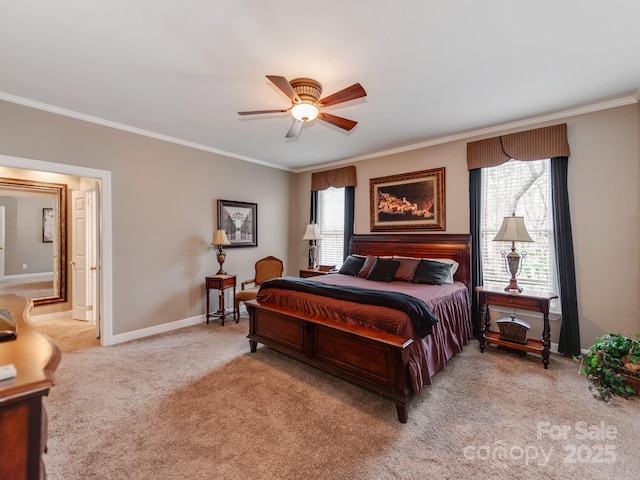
[
  {"x": 376, "y": 361},
  {"x": 373, "y": 360}
]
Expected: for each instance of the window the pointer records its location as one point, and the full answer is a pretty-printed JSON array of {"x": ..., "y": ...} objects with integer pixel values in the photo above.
[
  {"x": 330, "y": 220},
  {"x": 523, "y": 187}
]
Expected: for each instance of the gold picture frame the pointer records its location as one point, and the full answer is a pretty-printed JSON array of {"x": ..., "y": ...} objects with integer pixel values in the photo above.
[{"x": 409, "y": 201}]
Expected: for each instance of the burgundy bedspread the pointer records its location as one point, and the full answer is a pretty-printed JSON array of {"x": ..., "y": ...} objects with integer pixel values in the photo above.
[{"x": 449, "y": 302}]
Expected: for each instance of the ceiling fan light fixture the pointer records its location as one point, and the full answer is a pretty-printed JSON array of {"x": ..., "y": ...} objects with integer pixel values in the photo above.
[
  {"x": 304, "y": 112},
  {"x": 305, "y": 94}
]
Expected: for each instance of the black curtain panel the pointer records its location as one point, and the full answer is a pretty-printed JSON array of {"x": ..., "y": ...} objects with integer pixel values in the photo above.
[
  {"x": 349, "y": 214},
  {"x": 475, "y": 195},
  {"x": 569, "y": 343},
  {"x": 313, "y": 214},
  {"x": 313, "y": 217}
]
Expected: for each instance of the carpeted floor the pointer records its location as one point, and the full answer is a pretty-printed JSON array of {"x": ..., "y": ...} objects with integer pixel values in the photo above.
[
  {"x": 69, "y": 334},
  {"x": 195, "y": 404},
  {"x": 27, "y": 287}
]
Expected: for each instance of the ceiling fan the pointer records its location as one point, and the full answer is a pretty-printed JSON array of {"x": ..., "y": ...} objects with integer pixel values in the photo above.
[{"x": 305, "y": 106}]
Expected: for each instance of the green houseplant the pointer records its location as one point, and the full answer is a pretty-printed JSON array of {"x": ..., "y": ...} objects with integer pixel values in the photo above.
[{"x": 606, "y": 361}]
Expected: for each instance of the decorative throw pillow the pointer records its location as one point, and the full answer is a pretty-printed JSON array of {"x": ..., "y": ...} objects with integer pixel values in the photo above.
[
  {"x": 452, "y": 271},
  {"x": 407, "y": 269},
  {"x": 367, "y": 266},
  {"x": 432, "y": 273},
  {"x": 352, "y": 265},
  {"x": 383, "y": 270}
]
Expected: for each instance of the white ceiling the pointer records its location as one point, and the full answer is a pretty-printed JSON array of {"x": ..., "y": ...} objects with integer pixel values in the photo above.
[{"x": 181, "y": 70}]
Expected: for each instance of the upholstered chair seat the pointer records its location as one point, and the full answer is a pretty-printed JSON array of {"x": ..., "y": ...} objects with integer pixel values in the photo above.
[{"x": 265, "y": 269}]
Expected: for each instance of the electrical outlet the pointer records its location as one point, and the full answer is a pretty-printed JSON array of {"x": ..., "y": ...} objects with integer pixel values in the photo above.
[{"x": 24, "y": 266}]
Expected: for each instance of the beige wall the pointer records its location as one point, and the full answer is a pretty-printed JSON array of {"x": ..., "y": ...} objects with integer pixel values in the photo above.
[
  {"x": 603, "y": 194},
  {"x": 603, "y": 191},
  {"x": 163, "y": 209}
]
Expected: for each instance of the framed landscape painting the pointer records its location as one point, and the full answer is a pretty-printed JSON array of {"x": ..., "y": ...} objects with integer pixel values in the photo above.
[
  {"x": 410, "y": 201},
  {"x": 239, "y": 220}
]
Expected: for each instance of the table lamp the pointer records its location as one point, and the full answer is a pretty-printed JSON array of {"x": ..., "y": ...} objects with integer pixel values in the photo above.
[
  {"x": 312, "y": 233},
  {"x": 513, "y": 230},
  {"x": 220, "y": 239}
]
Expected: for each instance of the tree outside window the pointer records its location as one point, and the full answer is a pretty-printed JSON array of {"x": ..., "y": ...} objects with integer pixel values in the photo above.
[{"x": 523, "y": 187}]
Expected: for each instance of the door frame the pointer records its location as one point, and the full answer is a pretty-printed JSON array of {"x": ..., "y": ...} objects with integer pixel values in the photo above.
[
  {"x": 2, "y": 241},
  {"x": 105, "y": 241}
]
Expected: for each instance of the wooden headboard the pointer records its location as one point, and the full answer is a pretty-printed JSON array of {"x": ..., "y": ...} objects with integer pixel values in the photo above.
[{"x": 433, "y": 245}]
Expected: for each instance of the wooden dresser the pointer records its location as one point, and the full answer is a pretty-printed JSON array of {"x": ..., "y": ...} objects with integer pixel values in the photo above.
[{"x": 23, "y": 420}]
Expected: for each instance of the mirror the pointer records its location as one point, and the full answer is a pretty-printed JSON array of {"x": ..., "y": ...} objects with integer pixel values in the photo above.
[{"x": 48, "y": 234}]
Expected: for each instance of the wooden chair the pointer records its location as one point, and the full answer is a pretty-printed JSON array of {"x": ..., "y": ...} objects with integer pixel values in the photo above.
[{"x": 266, "y": 268}]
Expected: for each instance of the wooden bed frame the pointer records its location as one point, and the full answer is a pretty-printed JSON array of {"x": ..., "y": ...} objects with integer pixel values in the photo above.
[{"x": 371, "y": 359}]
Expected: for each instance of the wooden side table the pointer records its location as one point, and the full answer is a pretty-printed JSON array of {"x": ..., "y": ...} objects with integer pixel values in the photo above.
[
  {"x": 220, "y": 283},
  {"x": 536, "y": 302},
  {"x": 310, "y": 272},
  {"x": 23, "y": 417}
]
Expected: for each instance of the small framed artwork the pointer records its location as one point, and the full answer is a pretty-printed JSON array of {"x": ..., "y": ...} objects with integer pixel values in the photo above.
[
  {"x": 239, "y": 220},
  {"x": 410, "y": 201},
  {"x": 47, "y": 225}
]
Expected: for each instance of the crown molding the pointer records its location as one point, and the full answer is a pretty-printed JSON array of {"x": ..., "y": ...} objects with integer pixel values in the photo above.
[
  {"x": 561, "y": 115},
  {"x": 127, "y": 128}
]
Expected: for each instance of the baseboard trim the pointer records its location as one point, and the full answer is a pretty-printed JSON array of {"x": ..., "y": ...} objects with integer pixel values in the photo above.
[
  {"x": 49, "y": 316},
  {"x": 21, "y": 276},
  {"x": 147, "y": 332}
]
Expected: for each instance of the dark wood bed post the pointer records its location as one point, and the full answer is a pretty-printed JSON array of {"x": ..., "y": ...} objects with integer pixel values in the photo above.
[{"x": 403, "y": 412}]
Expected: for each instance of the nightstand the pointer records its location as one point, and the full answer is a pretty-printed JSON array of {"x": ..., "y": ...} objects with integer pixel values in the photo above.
[
  {"x": 310, "y": 272},
  {"x": 220, "y": 283},
  {"x": 529, "y": 301}
]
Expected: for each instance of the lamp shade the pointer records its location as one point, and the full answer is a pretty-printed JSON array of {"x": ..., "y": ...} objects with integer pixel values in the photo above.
[
  {"x": 220, "y": 238},
  {"x": 312, "y": 232},
  {"x": 513, "y": 230}
]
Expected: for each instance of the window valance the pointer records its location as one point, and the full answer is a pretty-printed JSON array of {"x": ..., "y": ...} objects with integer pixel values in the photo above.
[
  {"x": 339, "y": 177},
  {"x": 546, "y": 142}
]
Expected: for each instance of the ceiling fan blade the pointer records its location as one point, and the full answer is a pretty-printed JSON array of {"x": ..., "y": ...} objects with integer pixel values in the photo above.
[
  {"x": 295, "y": 129},
  {"x": 255, "y": 112},
  {"x": 284, "y": 85},
  {"x": 344, "y": 95},
  {"x": 344, "y": 123}
]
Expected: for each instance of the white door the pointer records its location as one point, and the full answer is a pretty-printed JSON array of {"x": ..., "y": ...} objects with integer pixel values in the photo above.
[
  {"x": 81, "y": 307},
  {"x": 1, "y": 243},
  {"x": 93, "y": 254}
]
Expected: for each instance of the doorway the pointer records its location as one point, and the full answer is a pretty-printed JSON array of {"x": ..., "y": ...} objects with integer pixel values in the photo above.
[
  {"x": 104, "y": 239},
  {"x": 2, "y": 242},
  {"x": 85, "y": 256}
]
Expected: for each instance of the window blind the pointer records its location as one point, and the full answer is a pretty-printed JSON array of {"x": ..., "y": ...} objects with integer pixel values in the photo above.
[
  {"x": 331, "y": 225},
  {"x": 523, "y": 188}
]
